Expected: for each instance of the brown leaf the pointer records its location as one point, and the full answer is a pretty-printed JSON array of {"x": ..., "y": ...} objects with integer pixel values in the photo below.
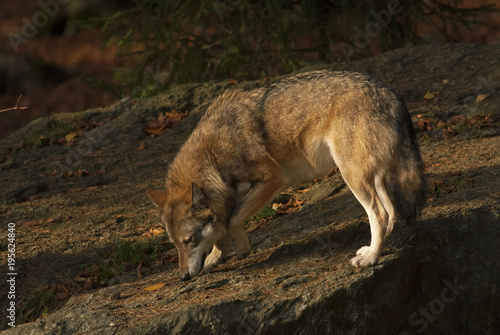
[
  {"x": 70, "y": 136},
  {"x": 165, "y": 121},
  {"x": 32, "y": 223},
  {"x": 424, "y": 124},
  {"x": 436, "y": 184},
  {"x": 155, "y": 287},
  {"x": 154, "y": 131},
  {"x": 429, "y": 96},
  {"x": 143, "y": 145},
  {"x": 82, "y": 173},
  {"x": 481, "y": 97},
  {"x": 495, "y": 195},
  {"x": 252, "y": 226},
  {"x": 156, "y": 231},
  {"x": 54, "y": 219}
]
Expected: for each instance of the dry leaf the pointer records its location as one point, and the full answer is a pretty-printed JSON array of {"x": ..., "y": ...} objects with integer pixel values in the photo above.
[
  {"x": 70, "y": 136},
  {"x": 437, "y": 183},
  {"x": 495, "y": 195},
  {"x": 32, "y": 223},
  {"x": 155, "y": 287},
  {"x": 54, "y": 219},
  {"x": 481, "y": 97},
  {"x": 164, "y": 122},
  {"x": 154, "y": 131},
  {"x": 429, "y": 96},
  {"x": 253, "y": 226},
  {"x": 157, "y": 231},
  {"x": 142, "y": 146}
]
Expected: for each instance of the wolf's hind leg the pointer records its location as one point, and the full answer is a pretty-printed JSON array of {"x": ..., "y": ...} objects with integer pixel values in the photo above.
[
  {"x": 219, "y": 253},
  {"x": 386, "y": 202},
  {"x": 366, "y": 193}
]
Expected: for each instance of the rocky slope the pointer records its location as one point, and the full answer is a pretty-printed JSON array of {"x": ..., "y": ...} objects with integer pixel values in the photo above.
[{"x": 73, "y": 201}]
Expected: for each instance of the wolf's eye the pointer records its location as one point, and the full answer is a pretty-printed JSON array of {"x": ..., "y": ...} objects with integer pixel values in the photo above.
[{"x": 187, "y": 240}]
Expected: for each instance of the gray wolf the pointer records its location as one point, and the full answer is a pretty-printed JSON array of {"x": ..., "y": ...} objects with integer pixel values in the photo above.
[{"x": 250, "y": 144}]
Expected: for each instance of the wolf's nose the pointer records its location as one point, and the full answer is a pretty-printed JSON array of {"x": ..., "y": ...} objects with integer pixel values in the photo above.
[{"x": 185, "y": 276}]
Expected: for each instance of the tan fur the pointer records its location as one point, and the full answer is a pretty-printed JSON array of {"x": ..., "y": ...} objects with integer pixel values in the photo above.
[{"x": 251, "y": 144}]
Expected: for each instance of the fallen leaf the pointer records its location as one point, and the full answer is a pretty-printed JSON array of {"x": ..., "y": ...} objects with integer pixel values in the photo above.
[
  {"x": 70, "y": 136},
  {"x": 142, "y": 146},
  {"x": 82, "y": 173},
  {"x": 157, "y": 231},
  {"x": 54, "y": 219},
  {"x": 171, "y": 252},
  {"x": 481, "y": 97},
  {"x": 155, "y": 287},
  {"x": 252, "y": 226},
  {"x": 429, "y": 96},
  {"x": 31, "y": 223},
  {"x": 495, "y": 195},
  {"x": 291, "y": 206},
  {"x": 154, "y": 131},
  {"x": 437, "y": 183},
  {"x": 164, "y": 121}
]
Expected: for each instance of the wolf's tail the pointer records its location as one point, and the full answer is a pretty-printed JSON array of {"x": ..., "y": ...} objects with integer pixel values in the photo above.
[{"x": 408, "y": 183}]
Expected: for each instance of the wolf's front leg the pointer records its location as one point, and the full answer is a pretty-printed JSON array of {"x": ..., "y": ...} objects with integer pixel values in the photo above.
[
  {"x": 256, "y": 198},
  {"x": 219, "y": 253}
]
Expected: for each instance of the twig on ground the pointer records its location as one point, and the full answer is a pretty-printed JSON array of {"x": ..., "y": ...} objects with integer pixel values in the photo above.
[{"x": 16, "y": 107}]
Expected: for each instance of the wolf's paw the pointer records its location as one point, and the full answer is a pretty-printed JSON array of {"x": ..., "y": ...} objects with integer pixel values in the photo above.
[
  {"x": 363, "y": 251},
  {"x": 243, "y": 247},
  {"x": 213, "y": 259},
  {"x": 243, "y": 252},
  {"x": 364, "y": 258}
]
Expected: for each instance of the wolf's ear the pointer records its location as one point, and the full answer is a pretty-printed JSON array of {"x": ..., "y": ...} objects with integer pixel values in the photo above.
[
  {"x": 197, "y": 197},
  {"x": 158, "y": 197}
]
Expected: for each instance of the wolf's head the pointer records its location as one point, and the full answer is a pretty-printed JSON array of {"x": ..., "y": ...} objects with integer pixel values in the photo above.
[{"x": 191, "y": 226}]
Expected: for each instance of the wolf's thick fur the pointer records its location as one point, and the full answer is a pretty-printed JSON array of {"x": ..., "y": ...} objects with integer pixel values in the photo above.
[{"x": 249, "y": 145}]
